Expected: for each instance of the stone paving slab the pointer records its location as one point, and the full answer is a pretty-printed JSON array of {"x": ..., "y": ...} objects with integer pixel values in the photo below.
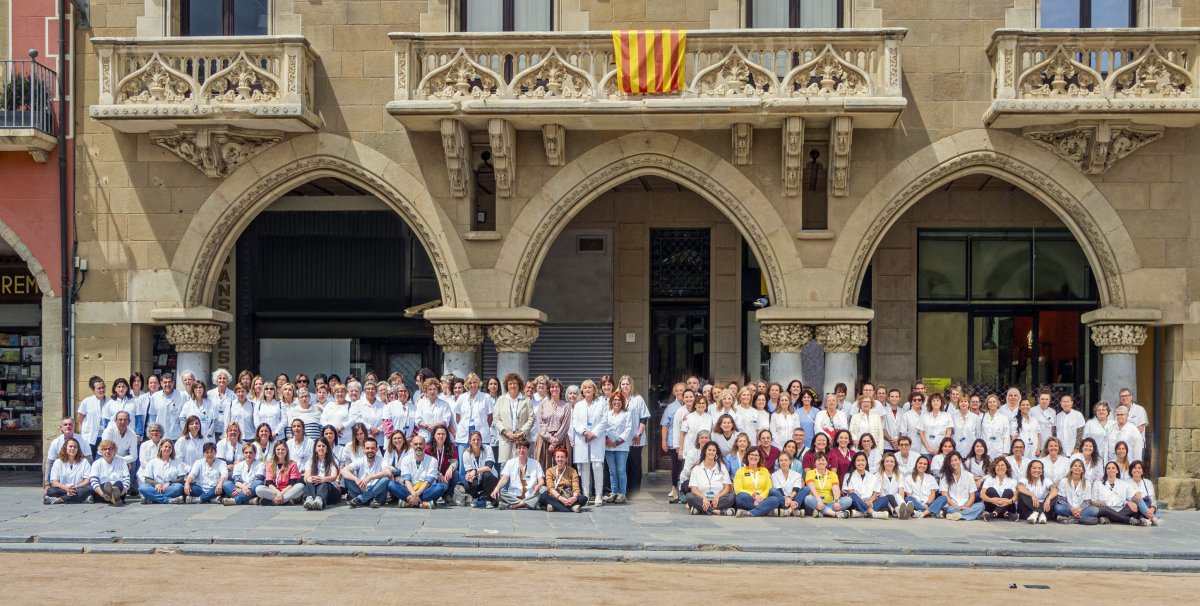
[{"x": 649, "y": 529}]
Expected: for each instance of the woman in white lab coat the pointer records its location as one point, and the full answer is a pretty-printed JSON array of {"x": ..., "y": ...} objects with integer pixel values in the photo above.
[
  {"x": 588, "y": 430},
  {"x": 69, "y": 476},
  {"x": 619, "y": 431},
  {"x": 995, "y": 428},
  {"x": 162, "y": 479}
]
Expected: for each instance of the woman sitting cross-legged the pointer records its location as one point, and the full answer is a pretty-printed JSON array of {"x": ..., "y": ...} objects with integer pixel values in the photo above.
[
  {"x": 999, "y": 492},
  {"x": 709, "y": 489},
  {"x": 865, "y": 490},
  {"x": 562, "y": 485},
  {"x": 282, "y": 483},
  {"x": 246, "y": 477},
  {"x": 203, "y": 482},
  {"x": 321, "y": 478},
  {"x": 789, "y": 486},
  {"x": 162, "y": 478},
  {"x": 521, "y": 480},
  {"x": 825, "y": 490},
  {"x": 478, "y": 472},
  {"x": 752, "y": 488},
  {"x": 69, "y": 476}
]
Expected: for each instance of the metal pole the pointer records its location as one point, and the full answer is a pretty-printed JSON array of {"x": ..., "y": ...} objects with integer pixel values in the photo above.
[{"x": 66, "y": 263}]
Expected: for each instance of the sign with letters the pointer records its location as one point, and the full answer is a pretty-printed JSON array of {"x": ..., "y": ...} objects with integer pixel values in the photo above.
[{"x": 17, "y": 285}]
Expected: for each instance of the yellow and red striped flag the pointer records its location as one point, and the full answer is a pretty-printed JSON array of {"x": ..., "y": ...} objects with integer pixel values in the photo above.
[{"x": 650, "y": 61}]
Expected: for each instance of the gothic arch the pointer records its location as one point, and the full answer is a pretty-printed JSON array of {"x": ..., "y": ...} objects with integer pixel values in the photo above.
[
  {"x": 1061, "y": 187},
  {"x": 35, "y": 267},
  {"x": 216, "y": 227},
  {"x": 571, "y": 189}
]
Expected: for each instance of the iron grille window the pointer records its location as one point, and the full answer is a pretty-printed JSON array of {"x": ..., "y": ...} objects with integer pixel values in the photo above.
[{"x": 679, "y": 263}]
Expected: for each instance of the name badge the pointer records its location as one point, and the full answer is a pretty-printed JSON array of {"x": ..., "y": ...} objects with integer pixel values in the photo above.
[{"x": 710, "y": 493}]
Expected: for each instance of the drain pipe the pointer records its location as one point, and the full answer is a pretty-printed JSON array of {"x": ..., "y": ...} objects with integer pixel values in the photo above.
[{"x": 66, "y": 262}]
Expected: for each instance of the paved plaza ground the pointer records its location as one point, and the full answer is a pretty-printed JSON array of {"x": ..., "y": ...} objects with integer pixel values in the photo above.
[{"x": 647, "y": 529}]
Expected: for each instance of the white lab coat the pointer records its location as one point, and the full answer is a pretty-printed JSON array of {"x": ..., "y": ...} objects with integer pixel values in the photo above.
[{"x": 588, "y": 418}]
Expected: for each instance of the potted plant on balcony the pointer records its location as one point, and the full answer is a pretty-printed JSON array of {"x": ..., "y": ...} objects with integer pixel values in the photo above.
[{"x": 26, "y": 103}]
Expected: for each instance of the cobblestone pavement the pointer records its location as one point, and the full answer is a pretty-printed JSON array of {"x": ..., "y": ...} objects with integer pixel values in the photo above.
[{"x": 646, "y": 529}]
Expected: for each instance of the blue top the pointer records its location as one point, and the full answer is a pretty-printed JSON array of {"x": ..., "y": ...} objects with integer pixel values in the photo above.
[
  {"x": 807, "y": 423},
  {"x": 668, "y": 421}
]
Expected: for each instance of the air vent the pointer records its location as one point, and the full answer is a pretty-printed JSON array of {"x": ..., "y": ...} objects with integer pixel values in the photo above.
[{"x": 590, "y": 244}]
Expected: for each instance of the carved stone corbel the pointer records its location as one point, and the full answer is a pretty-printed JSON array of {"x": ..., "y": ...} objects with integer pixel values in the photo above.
[
  {"x": 503, "y": 138},
  {"x": 841, "y": 135},
  {"x": 743, "y": 143},
  {"x": 456, "y": 142},
  {"x": 217, "y": 152},
  {"x": 554, "y": 139},
  {"x": 1093, "y": 147},
  {"x": 793, "y": 162}
]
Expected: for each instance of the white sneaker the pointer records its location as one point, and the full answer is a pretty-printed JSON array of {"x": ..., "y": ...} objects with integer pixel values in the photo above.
[
  {"x": 911, "y": 507},
  {"x": 1033, "y": 519},
  {"x": 854, "y": 513},
  {"x": 1041, "y": 518},
  {"x": 879, "y": 515},
  {"x": 953, "y": 517},
  {"x": 742, "y": 513},
  {"x": 193, "y": 500}
]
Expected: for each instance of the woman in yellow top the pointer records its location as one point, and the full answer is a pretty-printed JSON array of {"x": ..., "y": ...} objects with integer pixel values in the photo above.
[
  {"x": 825, "y": 490},
  {"x": 752, "y": 487}
]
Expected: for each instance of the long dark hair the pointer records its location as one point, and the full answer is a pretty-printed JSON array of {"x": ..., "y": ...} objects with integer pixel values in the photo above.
[
  {"x": 448, "y": 451},
  {"x": 948, "y": 471},
  {"x": 1095, "y": 459},
  {"x": 327, "y": 460},
  {"x": 703, "y": 453},
  {"x": 985, "y": 459}
]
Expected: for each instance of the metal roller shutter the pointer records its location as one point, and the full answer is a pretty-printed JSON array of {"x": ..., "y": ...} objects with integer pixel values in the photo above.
[{"x": 567, "y": 352}]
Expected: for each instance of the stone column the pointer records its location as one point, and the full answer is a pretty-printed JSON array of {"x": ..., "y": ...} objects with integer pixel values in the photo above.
[
  {"x": 459, "y": 343},
  {"x": 1118, "y": 345},
  {"x": 513, "y": 342},
  {"x": 194, "y": 344},
  {"x": 841, "y": 343},
  {"x": 785, "y": 341}
]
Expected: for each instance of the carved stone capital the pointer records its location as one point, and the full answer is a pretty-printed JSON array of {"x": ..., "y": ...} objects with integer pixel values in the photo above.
[
  {"x": 217, "y": 152},
  {"x": 1119, "y": 338},
  {"x": 503, "y": 138},
  {"x": 1093, "y": 147},
  {"x": 785, "y": 338},
  {"x": 458, "y": 338},
  {"x": 793, "y": 162},
  {"x": 554, "y": 139},
  {"x": 513, "y": 337},
  {"x": 842, "y": 338},
  {"x": 456, "y": 143},
  {"x": 743, "y": 143},
  {"x": 193, "y": 337}
]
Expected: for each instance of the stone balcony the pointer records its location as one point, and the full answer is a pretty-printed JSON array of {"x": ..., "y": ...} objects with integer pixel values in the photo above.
[
  {"x": 757, "y": 77},
  {"x": 795, "y": 80},
  {"x": 1094, "y": 96},
  {"x": 215, "y": 101}
]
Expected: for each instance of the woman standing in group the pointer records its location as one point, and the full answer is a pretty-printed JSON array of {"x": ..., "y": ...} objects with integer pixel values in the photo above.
[
  {"x": 354, "y": 449},
  {"x": 479, "y": 472},
  {"x": 841, "y": 457},
  {"x": 140, "y": 402},
  {"x": 938, "y": 463},
  {"x": 161, "y": 478},
  {"x": 240, "y": 410},
  {"x": 966, "y": 427},
  {"x": 999, "y": 492},
  {"x": 767, "y": 449},
  {"x": 1036, "y": 495},
  {"x": 190, "y": 446},
  {"x": 831, "y": 420},
  {"x": 553, "y": 425},
  {"x": 1055, "y": 463},
  {"x": 270, "y": 412},
  {"x": 936, "y": 425},
  {"x": 300, "y": 446},
  {"x": 148, "y": 451},
  {"x": 262, "y": 442},
  {"x": 282, "y": 482},
  {"x": 808, "y": 412},
  {"x": 620, "y": 430},
  {"x": 1017, "y": 461},
  {"x": 588, "y": 434},
  {"x": 321, "y": 478},
  {"x": 1121, "y": 458},
  {"x": 696, "y": 421},
  {"x": 120, "y": 401},
  {"x": 710, "y": 491},
  {"x": 995, "y": 428},
  {"x": 1098, "y": 426},
  {"x": 307, "y": 413},
  {"x": 337, "y": 414},
  {"x": 820, "y": 445},
  {"x": 472, "y": 412},
  {"x": 783, "y": 421},
  {"x": 1026, "y": 428}
]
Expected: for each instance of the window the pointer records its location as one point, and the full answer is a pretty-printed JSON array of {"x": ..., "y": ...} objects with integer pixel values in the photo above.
[
  {"x": 224, "y": 17},
  {"x": 794, "y": 13},
  {"x": 506, "y": 16},
  {"x": 1088, "y": 13}
]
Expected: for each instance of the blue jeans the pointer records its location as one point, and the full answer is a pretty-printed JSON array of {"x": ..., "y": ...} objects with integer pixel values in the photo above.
[
  {"x": 844, "y": 503},
  {"x": 879, "y": 504},
  {"x": 377, "y": 491},
  {"x": 431, "y": 492},
  {"x": 1089, "y": 515},
  {"x": 970, "y": 513},
  {"x": 228, "y": 487},
  {"x": 934, "y": 508},
  {"x": 745, "y": 500},
  {"x": 204, "y": 494},
  {"x": 618, "y": 475},
  {"x": 799, "y": 498},
  {"x": 175, "y": 489},
  {"x": 1144, "y": 509}
]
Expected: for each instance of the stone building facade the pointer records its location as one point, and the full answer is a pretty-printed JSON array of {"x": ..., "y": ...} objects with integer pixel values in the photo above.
[{"x": 831, "y": 171}]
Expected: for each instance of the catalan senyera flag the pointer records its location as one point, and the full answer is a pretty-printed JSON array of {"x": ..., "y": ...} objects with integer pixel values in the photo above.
[{"x": 650, "y": 61}]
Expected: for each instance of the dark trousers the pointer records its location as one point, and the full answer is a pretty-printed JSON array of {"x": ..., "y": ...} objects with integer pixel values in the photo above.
[
  {"x": 1000, "y": 511},
  {"x": 481, "y": 489},
  {"x": 633, "y": 469},
  {"x": 80, "y": 494},
  {"x": 725, "y": 501},
  {"x": 328, "y": 492},
  {"x": 676, "y": 467},
  {"x": 1116, "y": 516},
  {"x": 1025, "y": 508},
  {"x": 546, "y": 499}
]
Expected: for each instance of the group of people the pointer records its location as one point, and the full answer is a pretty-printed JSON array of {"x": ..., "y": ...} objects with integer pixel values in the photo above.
[
  {"x": 278, "y": 443},
  {"x": 758, "y": 450},
  {"x": 747, "y": 450}
]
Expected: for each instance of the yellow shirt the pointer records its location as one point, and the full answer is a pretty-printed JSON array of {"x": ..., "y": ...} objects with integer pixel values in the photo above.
[
  {"x": 823, "y": 484},
  {"x": 756, "y": 483}
]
